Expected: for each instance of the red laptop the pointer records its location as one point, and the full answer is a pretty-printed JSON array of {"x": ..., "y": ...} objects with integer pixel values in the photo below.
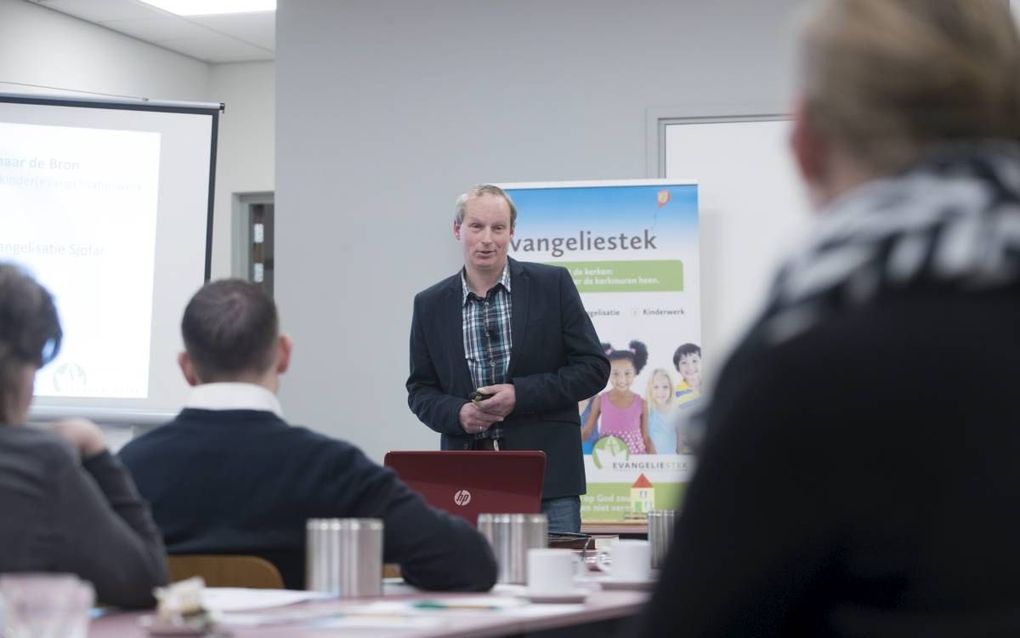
[{"x": 469, "y": 483}]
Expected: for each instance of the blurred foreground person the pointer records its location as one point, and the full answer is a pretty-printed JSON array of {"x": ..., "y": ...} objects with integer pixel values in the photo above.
[
  {"x": 66, "y": 504},
  {"x": 860, "y": 474}
]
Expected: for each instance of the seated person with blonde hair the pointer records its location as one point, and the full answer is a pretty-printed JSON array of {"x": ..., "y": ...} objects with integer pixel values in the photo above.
[{"x": 840, "y": 489}]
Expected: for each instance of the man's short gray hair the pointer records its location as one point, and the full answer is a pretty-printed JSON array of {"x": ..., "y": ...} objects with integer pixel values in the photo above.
[{"x": 478, "y": 191}]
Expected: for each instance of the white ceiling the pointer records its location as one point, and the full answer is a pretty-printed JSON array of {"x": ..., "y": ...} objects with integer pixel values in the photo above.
[{"x": 240, "y": 37}]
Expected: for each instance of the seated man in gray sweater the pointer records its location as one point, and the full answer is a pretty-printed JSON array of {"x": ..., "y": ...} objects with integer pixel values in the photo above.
[{"x": 228, "y": 475}]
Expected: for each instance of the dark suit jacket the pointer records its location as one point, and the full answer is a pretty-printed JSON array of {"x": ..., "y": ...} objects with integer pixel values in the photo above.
[{"x": 556, "y": 361}]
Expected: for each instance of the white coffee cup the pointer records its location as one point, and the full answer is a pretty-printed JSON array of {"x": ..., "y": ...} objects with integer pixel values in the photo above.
[
  {"x": 631, "y": 560},
  {"x": 551, "y": 571}
]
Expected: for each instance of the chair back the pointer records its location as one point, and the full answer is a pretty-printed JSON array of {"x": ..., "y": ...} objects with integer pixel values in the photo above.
[{"x": 226, "y": 570}]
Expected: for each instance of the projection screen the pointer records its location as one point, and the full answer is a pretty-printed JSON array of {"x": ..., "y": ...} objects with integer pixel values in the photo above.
[{"x": 109, "y": 205}]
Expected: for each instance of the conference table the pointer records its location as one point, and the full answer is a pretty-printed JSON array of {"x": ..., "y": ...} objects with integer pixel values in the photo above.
[{"x": 406, "y": 612}]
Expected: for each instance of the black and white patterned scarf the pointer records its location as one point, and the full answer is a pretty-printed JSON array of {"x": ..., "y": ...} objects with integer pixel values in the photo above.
[{"x": 952, "y": 222}]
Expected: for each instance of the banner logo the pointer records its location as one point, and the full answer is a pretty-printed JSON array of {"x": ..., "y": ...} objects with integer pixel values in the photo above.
[
  {"x": 609, "y": 446},
  {"x": 462, "y": 497}
]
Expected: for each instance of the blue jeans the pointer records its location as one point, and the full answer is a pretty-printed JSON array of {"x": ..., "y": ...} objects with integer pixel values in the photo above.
[{"x": 564, "y": 513}]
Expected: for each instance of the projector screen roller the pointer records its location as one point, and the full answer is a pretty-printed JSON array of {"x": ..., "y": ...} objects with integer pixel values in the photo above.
[{"x": 109, "y": 206}]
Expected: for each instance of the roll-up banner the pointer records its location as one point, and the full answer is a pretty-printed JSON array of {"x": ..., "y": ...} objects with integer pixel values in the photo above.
[{"x": 632, "y": 249}]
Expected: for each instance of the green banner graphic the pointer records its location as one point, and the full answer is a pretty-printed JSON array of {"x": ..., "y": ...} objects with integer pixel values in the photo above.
[{"x": 649, "y": 275}]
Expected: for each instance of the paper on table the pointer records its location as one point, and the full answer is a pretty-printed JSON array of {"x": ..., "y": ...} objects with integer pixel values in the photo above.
[
  {"x": 268, "y": 619},
  {"x": 546, "y": 609},
  {"x": 318, "y": 617},
  {"x": 382, "y": 622},
  {"x": 507, "y": 589},
  {"x": 228, "y": 599},
  {"x": 433, "y": 605}
]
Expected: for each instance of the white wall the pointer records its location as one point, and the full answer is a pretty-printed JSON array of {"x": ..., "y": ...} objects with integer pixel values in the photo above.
[
  {"x": 44, "y": 47},
  {"x": 40, "y": 46},
  {"x": 386, "y": 111},
  {"x": 245, "y": 162},
  {"x": 753, "y": 211}
]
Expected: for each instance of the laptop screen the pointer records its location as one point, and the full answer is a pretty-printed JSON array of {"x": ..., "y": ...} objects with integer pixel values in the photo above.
[{"x": 469, "y": 483}]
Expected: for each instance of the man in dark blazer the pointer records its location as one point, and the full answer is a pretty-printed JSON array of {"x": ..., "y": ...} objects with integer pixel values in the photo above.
[{"x": 514, "y": 337}]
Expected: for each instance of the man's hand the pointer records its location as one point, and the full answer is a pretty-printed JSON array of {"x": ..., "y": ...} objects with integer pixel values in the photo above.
[
  {"x": 473, "y": 420},
  {"x": 84, "y": 435},
  {"x": 502, "y": 401}
]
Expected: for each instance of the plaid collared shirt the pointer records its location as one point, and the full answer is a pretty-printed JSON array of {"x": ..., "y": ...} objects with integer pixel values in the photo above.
[{"x": 487, "y": 342}]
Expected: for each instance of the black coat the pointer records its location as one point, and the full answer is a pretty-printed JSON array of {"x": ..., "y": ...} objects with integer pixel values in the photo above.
[
  {"x": 556, "y": 361},
  {"x": 861, "y": 479}
]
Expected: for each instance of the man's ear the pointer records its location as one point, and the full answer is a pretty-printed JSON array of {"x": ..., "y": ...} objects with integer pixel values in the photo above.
[
  {"x": 456, "y": 230},
  {"x": 184, "y": 361},
  {"x": 284, "y": 346},
  {"x": 808, "y": 146}
]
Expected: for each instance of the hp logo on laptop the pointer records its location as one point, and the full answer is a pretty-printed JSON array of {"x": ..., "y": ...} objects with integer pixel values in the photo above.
[{"x": 462, "y": 497}]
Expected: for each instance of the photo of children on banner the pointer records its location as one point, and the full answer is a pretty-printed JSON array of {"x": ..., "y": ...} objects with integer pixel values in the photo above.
[
  {"x": 687, "y": 361},
  {"x": 584, "y": 410},
  {"x": 662, "y": 422},
  {"x": 624, "y": 414}
]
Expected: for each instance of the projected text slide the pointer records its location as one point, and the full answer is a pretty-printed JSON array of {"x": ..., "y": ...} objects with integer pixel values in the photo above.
[{"x": 79, "y": 212}]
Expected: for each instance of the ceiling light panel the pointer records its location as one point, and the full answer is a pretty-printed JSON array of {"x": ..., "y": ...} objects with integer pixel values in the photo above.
[{"x": 212, "y": 7}]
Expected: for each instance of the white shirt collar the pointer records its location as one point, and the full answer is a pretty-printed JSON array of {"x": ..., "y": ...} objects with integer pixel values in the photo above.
[{"x": 233, "y": 396}]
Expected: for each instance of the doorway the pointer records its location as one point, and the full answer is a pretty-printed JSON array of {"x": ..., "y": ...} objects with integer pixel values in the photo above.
[{"x": 254, "y": 232}]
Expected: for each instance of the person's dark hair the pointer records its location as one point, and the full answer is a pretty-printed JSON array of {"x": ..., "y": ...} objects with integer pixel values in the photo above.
[
  {"x": 683, "y": 351},
  {"x": 230, "y": 327},
  {"x": 30, "y": 331},
  {"x": 637, "y": 354}
]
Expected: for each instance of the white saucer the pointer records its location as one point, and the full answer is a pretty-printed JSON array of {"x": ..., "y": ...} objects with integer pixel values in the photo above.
[
  {"x": 576, "y": 596},
  {"x": 610, "y": 584},
  {"x": 157, "y": 627}
]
